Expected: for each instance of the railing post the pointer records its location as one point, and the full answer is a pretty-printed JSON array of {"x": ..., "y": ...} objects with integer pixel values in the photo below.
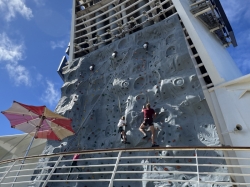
[
  {"x": 197, "y": 166},
  {"x": 115, "y": 168},
  {"x": 52, "y": 171},
  {"x": 7, "y": 172}
]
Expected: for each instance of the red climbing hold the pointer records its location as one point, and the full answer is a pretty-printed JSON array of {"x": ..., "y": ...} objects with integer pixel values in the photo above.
[{"x": 178, "y": 167}]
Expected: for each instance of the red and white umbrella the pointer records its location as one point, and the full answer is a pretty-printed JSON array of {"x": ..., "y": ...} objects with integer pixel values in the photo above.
[{"x": 38, "y": 121}]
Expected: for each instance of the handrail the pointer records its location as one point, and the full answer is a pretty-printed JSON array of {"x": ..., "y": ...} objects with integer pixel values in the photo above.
[
  {"x": 97, "y": 166},
  {"x": 235, "y": 148}
]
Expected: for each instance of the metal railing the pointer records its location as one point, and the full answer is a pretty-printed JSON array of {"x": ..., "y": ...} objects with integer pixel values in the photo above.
[{"x": 162, "y": 165}]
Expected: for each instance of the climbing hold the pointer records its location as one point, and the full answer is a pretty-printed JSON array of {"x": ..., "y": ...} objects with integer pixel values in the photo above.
[
  {"x": 114, "y": 54},
  {"x": 178, "y": 167}
]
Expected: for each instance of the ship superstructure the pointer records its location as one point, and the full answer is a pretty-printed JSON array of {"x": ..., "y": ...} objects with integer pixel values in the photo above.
[{"x": 172, "y": 54}]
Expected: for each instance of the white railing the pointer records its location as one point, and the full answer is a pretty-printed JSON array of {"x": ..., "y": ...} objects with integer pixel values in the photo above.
[{"x": 113, "y": 166}]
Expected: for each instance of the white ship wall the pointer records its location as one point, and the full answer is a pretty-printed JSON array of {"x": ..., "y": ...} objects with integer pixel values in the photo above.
[
  {"x": 231, "y": 103},
  {"x": 218, "y": 62},
  {"x": 229, "y": 100}
]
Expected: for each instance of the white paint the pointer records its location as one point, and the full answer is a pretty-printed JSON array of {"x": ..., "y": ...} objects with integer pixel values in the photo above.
[
  {"x": 72, "y": 37},
  {"x": 229, "y": 100},
  {"x": 232, "y": 108},
  {"x": 219, "y": 64}
]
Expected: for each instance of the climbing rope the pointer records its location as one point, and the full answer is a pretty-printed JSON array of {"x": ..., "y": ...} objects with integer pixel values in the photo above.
[
  {"x": 119, "y": 103},
  {"x": 92, "y": 108},
  {"x": 147, "y": 78}
]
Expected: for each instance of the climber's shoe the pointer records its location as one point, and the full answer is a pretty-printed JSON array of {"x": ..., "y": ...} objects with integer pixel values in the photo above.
[{"x": 144, "y": 137}]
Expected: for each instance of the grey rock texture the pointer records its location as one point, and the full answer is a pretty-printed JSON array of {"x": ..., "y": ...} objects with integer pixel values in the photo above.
[{"x": 163, "y": 75}]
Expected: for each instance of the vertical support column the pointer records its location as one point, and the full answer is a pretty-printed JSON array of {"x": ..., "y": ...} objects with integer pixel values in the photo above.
[
  {"x": 197, "y": 167},
  {"x": 87, "y": 23},
  {"x": 154, "y": 12},
  {"x": 143, "y": 18},
  {"x": 52, "y": 171},
  {"x": 115, "y": 168},
  {"x": 99, "y": 25},
  {"x": 111, "y": 20},
  {"x": 124, "y": 19},
  {"x": 72, "y": 36}
]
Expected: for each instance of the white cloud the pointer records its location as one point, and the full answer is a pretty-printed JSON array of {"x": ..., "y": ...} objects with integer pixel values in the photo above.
[
  {"x": 51, "y": 95},
  {"x": 9, "y": 9},
  {"x": 39, "y": 2},
  {"x": 59, "y": 44},
  {"x": 10, "y": 54},
  {"x": 8, "y": 50},
  {"x": 19, "y": 74}
]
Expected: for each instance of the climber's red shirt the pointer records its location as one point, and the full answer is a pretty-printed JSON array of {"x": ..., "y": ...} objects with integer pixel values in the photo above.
[
  {"x": 76, "y": 156},
  {"x": 148, "y": 113}
]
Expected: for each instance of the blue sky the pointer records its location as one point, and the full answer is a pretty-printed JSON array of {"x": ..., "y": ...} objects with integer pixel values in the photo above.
[{"x": 34, "y": 35}]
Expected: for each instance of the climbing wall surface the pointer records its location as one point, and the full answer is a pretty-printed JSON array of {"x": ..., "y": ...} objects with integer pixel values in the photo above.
[{"x": 162, "y": 75}]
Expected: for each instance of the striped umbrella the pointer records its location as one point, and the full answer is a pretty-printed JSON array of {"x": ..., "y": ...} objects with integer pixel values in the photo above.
[{"x": 38, "y": 121}]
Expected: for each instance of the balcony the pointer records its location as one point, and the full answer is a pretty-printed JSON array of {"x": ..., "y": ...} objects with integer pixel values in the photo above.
[{"x": 212, "y": 15}]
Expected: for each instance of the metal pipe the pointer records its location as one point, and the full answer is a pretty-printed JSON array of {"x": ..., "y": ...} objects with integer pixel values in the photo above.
[
  {"x": 111, "y": 20},
  {"x": 141, "y": 10},
  {"x": 197, "y": 167},
  {"x": 130, "y": 14},
  {"x": 130, "y": 29},
  {"x": 154, "y": 12},
  {"x": 27, "y": 151},
  {"x": 124, "y": 19},
  {"x": 52, "y": 171},
  {"x": 115, "y": 168},
  {"x": 99, "y": 25}
]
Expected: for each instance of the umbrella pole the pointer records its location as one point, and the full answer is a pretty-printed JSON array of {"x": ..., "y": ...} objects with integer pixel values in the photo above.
[{"x": 27, "y": 151}]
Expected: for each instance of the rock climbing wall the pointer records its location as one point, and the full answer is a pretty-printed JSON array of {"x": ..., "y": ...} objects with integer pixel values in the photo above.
[{"x": 162, "y": 75}]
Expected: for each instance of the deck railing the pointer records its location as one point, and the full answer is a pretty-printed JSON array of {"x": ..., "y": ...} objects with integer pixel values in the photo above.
[{"x": 108, "y": 167}]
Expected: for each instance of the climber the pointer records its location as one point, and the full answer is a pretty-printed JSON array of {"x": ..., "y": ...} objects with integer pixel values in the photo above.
[
  {"x": 92, "y": 67},
  {"x": 120, "y": 125},
  {"x": 149, "y": 113},
  {"x": 74, "y": 163}
]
